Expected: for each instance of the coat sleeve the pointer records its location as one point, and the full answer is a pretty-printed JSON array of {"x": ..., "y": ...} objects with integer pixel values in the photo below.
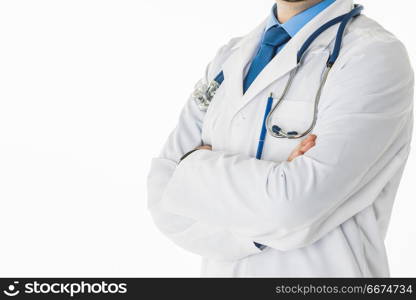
[
  {"x": 364, "y": 111},
  {"x": 201, "y": 238}
]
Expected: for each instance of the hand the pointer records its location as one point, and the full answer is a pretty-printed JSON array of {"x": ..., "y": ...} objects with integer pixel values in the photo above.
[
  {"x": 204, "y": 147},
  {"x": 303, "y": 147}
]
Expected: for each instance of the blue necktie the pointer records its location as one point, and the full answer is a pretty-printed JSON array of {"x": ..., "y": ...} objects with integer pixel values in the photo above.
[{"x": 274, "y": 38}]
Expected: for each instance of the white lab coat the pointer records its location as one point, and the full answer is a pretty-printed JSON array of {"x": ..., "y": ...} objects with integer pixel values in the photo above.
[{"x": 324, "y": 214}]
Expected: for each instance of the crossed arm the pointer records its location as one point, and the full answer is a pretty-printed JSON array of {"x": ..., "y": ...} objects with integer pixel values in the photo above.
[
  {"x": 203, "y": 238},
  {"x": 300, "y": 150}
]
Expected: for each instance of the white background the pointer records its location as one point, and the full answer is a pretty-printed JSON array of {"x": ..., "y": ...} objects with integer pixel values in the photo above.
[{"x": 88, "y": 93}]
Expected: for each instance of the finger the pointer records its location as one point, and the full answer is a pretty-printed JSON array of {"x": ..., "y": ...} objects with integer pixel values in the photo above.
[
  {"x": 295, "y": 154},
  {"x": 308, "y": 146},
  {"x": 205, "y": 147},
  {"x": 310, "y": 138},
  {"x": 305, "y": 141}
]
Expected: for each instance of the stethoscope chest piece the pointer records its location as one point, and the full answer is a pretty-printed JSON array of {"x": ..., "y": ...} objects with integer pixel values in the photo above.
[{"x": 204, "y": 93}]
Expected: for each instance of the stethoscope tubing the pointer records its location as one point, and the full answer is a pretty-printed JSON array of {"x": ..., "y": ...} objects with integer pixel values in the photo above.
[
  {"x": 283, "y": 134},
  {"x": 273, "y": 129}
]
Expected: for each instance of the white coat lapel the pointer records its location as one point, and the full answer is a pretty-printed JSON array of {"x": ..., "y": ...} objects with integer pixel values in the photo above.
[
  {"x": 286, "y": 60},
  {"x": 234, "y": 66}
]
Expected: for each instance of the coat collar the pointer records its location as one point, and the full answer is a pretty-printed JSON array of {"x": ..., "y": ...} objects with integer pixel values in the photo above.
[{"x": 285, "y": 61}]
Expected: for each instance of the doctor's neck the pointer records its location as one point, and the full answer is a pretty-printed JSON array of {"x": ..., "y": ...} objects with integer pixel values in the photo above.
[{"x": 290, "y": 8}]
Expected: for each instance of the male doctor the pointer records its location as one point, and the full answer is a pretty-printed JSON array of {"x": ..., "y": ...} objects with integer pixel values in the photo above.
[{"x": 312, "y": 207}]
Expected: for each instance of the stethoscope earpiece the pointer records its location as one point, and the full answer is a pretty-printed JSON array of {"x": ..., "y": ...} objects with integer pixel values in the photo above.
[
  {"x": 276, "y": 129},
  {"x": 280, "y": 133}
]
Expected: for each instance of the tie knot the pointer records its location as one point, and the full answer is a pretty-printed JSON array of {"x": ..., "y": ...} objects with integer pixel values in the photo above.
[{"x": 275, "y": 36}]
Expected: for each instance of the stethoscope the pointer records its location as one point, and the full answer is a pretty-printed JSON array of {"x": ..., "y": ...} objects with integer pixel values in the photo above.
[{"x": 204, "y": 93}]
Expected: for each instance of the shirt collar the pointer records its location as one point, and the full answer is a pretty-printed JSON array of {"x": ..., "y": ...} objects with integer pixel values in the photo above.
[{"x": 296, "y": 23}]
